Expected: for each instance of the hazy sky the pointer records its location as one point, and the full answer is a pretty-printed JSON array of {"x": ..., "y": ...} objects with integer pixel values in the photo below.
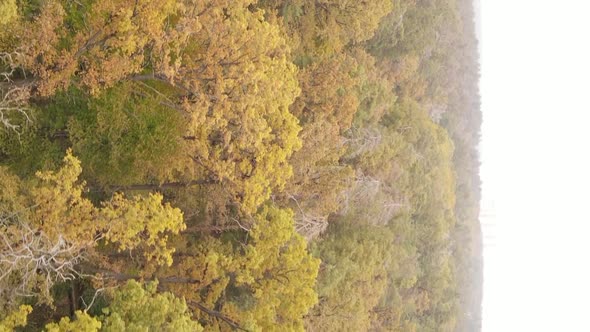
[{"x": 535, "y": 89}]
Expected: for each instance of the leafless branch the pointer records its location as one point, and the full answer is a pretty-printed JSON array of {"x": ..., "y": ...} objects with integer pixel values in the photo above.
[
  {"x": 234, "y": 325},
  {"x": 37, "y": 259},
  {"x": 361, "y": 141},
  {"x": 96, "y": 292},
  {"x": 372, "y": 200},
  {"x": 14, "y": 98},
  {"x": 309, "y": 226}
]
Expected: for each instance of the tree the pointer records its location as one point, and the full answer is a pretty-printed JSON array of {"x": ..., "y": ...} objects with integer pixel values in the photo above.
[
  {"x": 241, "y": 86},
  {"x": 49, "y": 229},
  {"x": 135, "y": 307},
  {"x": 125, "y": 136},
  {"x": 246, "y": 285},
  {"x": 14, "y": 109},
  {"x": 359, "y": 116},
  {"x": 219, "y": 64},
  {"x": 352, "y": 277},
  {"x": 326, "y": 27},
  {"x": 325, "y": 110},
  {"x": 277, "y": 266},
  {"x": 100, "y": 46},
  {"x": 15, "y": 318},
  {"x": 132, "y": 307}
]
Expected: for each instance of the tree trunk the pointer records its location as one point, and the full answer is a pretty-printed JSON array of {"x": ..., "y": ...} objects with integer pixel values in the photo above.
[
  {"x": 217, "y": 315},
  {"x": 74, "y": 293},
  {"x": 168, "y": 185},
  {"x": 212, "y": 228}
]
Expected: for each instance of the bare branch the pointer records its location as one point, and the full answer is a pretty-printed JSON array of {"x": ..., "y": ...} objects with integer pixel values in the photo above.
[
  {"x": 88, "y": 306},
  {"x": 308, "y": 226},
  {"x": 218, "y": 315},
  {"x": 29, "y": 253},
  {"x": 14, "y": 98},
  {"x": 361, "y": 141}
]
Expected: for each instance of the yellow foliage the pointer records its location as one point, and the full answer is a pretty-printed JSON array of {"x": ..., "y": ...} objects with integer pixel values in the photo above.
[
  {"x": 242, "y": 85},
  {"x": 277, "y": 267},
  {"x": 82, "y": 323},
  {"x": 325, "y": 109},
  {"x": 142, "y": 223},
  {"x": 50, "y": 228},
  {"x": 61, "y": 211},
  {"x": 38, "y": 50},
  {"x": 223, "y": 64},
  {"x": 15, "y": 319},
  {"x": 266, "y": 285},
  {"x": 114, "y": 45},
  {"x": 8, "y": 11},
  {"x": 111, "y": 46},
  {"x": 325, "y": 27}
]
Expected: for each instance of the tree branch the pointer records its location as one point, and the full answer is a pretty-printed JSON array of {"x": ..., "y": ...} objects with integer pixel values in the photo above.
[
  {"x": 168, "y": 185},
  {"x": 218, "y": 315}
]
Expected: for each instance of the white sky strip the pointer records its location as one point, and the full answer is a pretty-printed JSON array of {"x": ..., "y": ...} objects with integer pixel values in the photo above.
[{"x": 536, "y": 164}]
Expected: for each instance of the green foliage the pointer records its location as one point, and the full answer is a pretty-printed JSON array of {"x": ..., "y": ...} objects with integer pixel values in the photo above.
[
  {"x": 32, "y": 151},
  {"x": 125, "y": 137},
  {"x": 133, "y": 307},
  {"x": 353, "y": 276},
  {"x": 137, "y": 308}
]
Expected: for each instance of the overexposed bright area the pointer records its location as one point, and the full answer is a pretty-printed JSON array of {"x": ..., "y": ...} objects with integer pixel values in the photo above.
[{"x": 535, "y": 88}]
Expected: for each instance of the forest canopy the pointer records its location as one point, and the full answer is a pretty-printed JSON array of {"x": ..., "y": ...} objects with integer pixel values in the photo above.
[{"x": 220, "y": 165}]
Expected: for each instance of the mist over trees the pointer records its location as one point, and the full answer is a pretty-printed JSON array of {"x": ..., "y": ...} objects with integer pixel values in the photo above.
[{"x": 220, "y": 165}]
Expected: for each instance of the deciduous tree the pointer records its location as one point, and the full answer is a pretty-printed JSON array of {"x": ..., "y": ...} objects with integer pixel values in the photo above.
[{"x": 49, "y": 229}]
